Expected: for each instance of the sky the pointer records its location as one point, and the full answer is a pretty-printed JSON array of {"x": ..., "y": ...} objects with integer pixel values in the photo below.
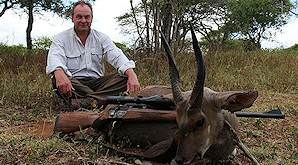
[{"x": 13, "y": 25}]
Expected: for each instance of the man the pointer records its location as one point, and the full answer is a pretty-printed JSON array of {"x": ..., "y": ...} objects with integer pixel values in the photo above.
[{"x": 75, "y": 61}]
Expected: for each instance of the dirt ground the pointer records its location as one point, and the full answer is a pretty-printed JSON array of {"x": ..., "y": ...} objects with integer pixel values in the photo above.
[{"x": 271, "y": 141}]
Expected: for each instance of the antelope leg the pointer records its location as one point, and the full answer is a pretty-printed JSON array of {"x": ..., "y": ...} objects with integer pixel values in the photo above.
[{"x": 239, "y": 143}]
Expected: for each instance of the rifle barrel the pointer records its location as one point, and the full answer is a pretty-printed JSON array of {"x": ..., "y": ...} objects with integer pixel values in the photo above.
[{"x": 260, "y": 115}]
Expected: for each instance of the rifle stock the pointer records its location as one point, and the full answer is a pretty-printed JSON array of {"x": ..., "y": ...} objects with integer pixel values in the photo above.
[{"x": 69, "y": 122}]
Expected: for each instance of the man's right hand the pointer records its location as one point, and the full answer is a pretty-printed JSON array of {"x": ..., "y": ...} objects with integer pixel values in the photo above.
[{"x": 63, "y": 83}]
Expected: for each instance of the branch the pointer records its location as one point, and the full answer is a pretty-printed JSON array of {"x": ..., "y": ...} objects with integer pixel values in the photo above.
[
  {"x": 136, "y": 21},
  {"x": 293, "y": 12},
  {"x": 7, "y": 6}
]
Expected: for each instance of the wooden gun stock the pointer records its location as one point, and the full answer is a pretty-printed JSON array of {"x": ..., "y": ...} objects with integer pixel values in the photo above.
[{"x": 69, "y": 122}]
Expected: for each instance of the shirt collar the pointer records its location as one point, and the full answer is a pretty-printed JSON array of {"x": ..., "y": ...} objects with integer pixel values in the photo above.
[
  {"x": 75, "y": 34},
  {"x": 77, "y": 37}
]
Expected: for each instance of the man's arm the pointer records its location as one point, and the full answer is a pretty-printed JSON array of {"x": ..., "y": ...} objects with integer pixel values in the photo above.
[
  {"x": 133, "y": 84},
  {"x": 63, "y": 83},
  {"x": 56, "y": 56},
  {"x": 56, "y": 65},
  {"x": 117, "y": 59}
]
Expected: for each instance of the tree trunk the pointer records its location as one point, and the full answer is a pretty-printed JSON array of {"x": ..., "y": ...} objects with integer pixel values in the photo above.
[
  {"x": 167, "y": 21},
  {"x": 181, "y": 37},
  {"x": 176, "y": 16},
  {"x": 136, "y": 23},
  {"x": 175, "y": 33},
  {"x": 156, "y": 26},
  {"x": 147, "y": 27},
  {"x": 30, "y": 25}
]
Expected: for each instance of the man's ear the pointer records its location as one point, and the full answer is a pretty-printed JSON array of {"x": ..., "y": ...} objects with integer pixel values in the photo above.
[
  {"x": 72, "y": 17},
  {"x": 235, "y": 100}
]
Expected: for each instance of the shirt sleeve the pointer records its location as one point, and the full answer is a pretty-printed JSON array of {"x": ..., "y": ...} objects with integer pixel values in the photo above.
[
  {"x": 56, "y": 57},
  {"x": 115, "y": 56}
]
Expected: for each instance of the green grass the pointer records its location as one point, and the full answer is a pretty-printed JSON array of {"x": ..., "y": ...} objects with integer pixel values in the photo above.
[{"x": 26, "y": 97}]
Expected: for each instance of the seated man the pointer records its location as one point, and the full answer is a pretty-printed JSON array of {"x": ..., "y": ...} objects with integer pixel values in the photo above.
[{"x": 75, "y": 61}]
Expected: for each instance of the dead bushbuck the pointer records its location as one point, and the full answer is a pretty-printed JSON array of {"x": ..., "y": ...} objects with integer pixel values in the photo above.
[{"x": 202, "y": 123}]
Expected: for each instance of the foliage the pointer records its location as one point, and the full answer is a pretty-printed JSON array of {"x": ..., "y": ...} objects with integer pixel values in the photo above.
[
  {"x": 56, "y": 6},
  {"x": 209, "y": 19},
  {"x": 43, "y": 43},
  {"x": 293, "y": 48},
  {"x": 123, "y": 47},
  {"x": 227, "y": 45},
  {"x": 252, "y": 18},
  {"x": 216, "y": 20},
  {"x": 13, "y": 50}
]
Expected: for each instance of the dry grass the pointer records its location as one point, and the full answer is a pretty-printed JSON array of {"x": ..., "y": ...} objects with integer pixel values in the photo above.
[
  {"x": 26, "y": 98},
  {"x": 229, "y": 71}
]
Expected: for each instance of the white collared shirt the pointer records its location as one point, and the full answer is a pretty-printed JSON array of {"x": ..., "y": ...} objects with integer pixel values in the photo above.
[{"x": 67, "y": 52}]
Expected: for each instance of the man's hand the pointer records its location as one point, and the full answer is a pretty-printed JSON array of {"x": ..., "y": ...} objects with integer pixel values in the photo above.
[
  {"x": 63, "y": 83},
  {"x": 133, "y": 84}
]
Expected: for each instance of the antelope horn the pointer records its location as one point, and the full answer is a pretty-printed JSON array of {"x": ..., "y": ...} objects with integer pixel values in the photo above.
[
  {"x": 198, "y": 90},
  {"x": 174, "y": 74}
]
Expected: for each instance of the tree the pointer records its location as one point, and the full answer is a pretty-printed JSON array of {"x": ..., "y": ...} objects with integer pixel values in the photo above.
[
  {"x": 7, "y": 4},
  {"x": 209, "y": 18},
  {"x": 172, "y": 17},
  {"x": 251, "y": 19},
  {"x": 33, "y": 7},
  {"x": 218, "y": 21},
  {"x": 148, "y": 17}
]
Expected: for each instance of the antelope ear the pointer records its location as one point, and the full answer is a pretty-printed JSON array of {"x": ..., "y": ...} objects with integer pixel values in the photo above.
[
  {"x": 161, "y": 151},
  {"x": 235, "y": 101}
]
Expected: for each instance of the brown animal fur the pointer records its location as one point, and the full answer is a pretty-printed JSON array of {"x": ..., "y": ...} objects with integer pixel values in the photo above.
[
  {"x": 147, "y": 135},
  {"x": 200, "y": 130}
]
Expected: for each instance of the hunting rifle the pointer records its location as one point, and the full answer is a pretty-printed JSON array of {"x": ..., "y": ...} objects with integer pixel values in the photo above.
[
  {"x": 130, "y": 110},
  {"x": 164, "y": 104}
]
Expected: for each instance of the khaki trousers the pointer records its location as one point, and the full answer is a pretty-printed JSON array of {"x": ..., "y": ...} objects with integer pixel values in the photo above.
[{"x": 110, "y": 85}]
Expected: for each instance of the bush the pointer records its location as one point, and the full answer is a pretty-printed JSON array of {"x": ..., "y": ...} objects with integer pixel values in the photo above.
[{"x": 43, "y": 43}]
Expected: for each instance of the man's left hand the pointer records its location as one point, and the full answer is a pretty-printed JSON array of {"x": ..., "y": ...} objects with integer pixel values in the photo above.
[{"x": 133, "y": 85}]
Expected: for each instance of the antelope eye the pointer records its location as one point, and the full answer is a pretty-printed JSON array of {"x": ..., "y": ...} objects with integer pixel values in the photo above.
[{"x": 200, "y": 123}]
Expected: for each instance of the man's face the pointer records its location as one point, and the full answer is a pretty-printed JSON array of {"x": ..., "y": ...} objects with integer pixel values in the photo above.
[{"x": 82, "y": 18}]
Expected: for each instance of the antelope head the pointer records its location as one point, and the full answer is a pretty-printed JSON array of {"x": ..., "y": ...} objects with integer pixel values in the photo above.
[{"x": 193, "y": 137}]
